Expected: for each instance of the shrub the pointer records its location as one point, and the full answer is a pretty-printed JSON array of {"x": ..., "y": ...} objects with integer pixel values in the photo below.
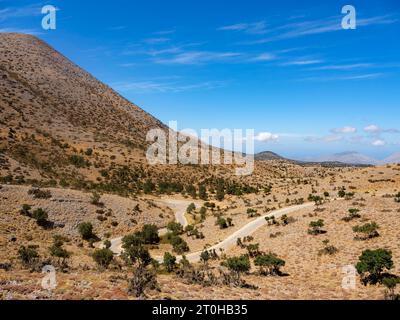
[
  {"x": 353, "y": 214},
  {"x": 141, "y": 280},
  {"x": 366, "y": 231},
  {"x": 328, "y": 249},
  {"x": 391, "y": 283},
  {"x": 95, "y": 199},
  {"x": 107, "y": 244},
  {"x": 169, "y": 262},
  {"x": 78, "y": 161},
  {"x": 175, "y": 228},
  {"x": 203, "y": 192},
  {"x": 221, "y": 222},
  {"x": 28, "y": 255},
  {"x": 85, "y": 229},
  {"x": 57, "y": 250},
  {"x": 269, "y": 264},
  {"x": 180, "y": 246},
  {"x": 41, "y": 217},
  {"x": 191, "y": 208},
  {"x": 316, "y": 227},
  {"x": 372, "y": 264},
  {"x": 150, "y": 234},
  {"x": 238, "y": 265},
  {"x": 40, "y": 194},
  {"x": 103, "y": 257},
  {"x": 26, "y": 210}
]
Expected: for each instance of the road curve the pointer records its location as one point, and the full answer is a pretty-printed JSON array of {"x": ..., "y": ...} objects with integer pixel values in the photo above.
[
  {"x": 180, "y": 208},
  {"x": 245, "y": 231}
]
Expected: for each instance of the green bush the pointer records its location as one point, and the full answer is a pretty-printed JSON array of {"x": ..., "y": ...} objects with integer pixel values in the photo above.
[
  {"x": 28, "y": 255},
  {"x": 103, "y": 257},
  {"x": 169, "y": 261},
  {"x": 40, "y": 216},
  {"x": 372, "y": 264},
  {"x": 85, "y": 229},
  {"x": 269, "y": 264}
]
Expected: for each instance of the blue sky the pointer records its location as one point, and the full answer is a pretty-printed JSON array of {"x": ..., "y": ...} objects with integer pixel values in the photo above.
[{"x": 285, "y": 68}]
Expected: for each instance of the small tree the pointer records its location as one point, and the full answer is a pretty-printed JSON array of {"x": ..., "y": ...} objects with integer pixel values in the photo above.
[
  {"x": 221, "y": 222},
  {"x": 85, "y": 229},
  {"x": 253, "y": 250},
  {"x": 103, "y": 257},
  {"x": 28, "y": 255},
  {"x": 107, "y": 244},
  {"x": 169, "y": 261},
  {"x": 205, "y": 256},
  {"x": 269, "y": 264},
  {"x": 203, "y": 192},
  {"x": 328, "y": 249},
  {"x": 95, "y": 199},
  {"x": 57, "y": 250},
  {"x": 220, "y": 194},
  {"x": 142, "y": 279},
  {"x": 175, "y": 228},
  {"x": 366, "y": 231},
  {"x": 41, "y": 217},
  {"x": 391, "y": 283},
  {"x": 372, "y": 264},
  {"x": 179, "y": 245},
  {"x": 238, "y": 265},
  {"x": 353, "y": 214},
  {"x": 150, "y": 234},
  {"x": 26, "y": 210},
  {"x": 316, "y": 227},
  {"x": 191, "y": 208}
]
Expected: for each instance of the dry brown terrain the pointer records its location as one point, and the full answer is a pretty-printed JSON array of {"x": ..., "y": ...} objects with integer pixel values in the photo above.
[{"x": 69, "y": 136}]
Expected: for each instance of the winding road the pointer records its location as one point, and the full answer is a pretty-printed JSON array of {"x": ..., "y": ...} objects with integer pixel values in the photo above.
[{"x": 180, "y": 206}]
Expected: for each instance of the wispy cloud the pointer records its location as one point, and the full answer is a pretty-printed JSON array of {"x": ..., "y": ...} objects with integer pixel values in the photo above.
[
  {"x": 368, "y": 76},
  {"x": 156, "y": 40},
  {"x": 306, "y": 28},
  {"x": 20, "y": 12},
  {"x": 302, "y": 62},
  {"x": 197, "y": 57},
  {"x": 152, "y": 86},
  {"x": 250, "y": 28},
  {"x": 264, "y": 57},
  {"x": 345, "y": 66},
  {"x": 346, "y": 129},
  {"x": 374, "y": 129}
]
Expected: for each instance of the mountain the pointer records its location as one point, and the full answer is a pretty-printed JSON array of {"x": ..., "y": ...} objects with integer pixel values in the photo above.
[
  {"x": 349, "y": 158},
  {"x": 268, "y": 155},
  {"x": 60, "y": 126},
  {"x": 338, "y": 160},
  {"x": 394, "y": 158}
]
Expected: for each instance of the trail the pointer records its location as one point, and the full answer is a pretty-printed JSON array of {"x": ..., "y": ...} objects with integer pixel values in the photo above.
[{"x": 180, "y": 206}]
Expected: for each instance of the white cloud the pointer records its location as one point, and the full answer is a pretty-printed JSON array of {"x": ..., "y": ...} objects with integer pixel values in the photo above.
[
  {"x": 372, "y": 129},
  {"x": 266, "y": 137},
  {"x": 197, "y": 57},
  {"x": 264, "y": 57},
  {"x": 344, "y": 130},
  {"x": 302, "y": 62},
  {"x": 152, "y": 86},
  {"x": 252, "y": 28},
  {"x": 378, "y": 143}
]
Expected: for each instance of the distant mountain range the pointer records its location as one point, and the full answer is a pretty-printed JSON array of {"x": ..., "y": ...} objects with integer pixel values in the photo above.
[{"x": 343, "y": 158}]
